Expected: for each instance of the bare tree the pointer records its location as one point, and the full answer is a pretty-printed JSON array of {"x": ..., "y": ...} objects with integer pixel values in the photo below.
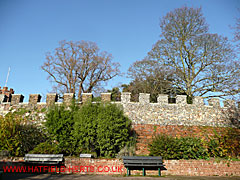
[
  {"x": 237, "y": 32},
  {"x": 203, "y": 63},
  {"x": 78, "y": 67},
  {"x": 148, "y": 76}
]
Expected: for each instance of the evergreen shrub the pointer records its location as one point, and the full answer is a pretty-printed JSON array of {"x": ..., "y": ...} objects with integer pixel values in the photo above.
[
  {"x": 97, "y": 128},
  {"x": 18, "y": 135},
  {"x": 59, "y": 125},
  {"x": 46, "y": 148},
  {"x": 225, "y": 145},
  {"x": 102, "y": 128},
  {"x": 177, "y": 148}
]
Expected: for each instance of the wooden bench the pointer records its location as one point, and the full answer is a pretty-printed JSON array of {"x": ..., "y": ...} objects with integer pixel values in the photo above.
[
  {"x": 46, "y": 159},
  {"x": 143, "y": 163}
]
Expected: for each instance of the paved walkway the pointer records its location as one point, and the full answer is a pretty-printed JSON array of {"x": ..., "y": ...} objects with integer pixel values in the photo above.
[{"x": 105, "y": 177}]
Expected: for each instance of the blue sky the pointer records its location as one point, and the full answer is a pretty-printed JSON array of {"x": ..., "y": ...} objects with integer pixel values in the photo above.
[{"x": 125, "y": 28}]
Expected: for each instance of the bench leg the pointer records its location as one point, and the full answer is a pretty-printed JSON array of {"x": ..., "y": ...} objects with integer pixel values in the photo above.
[
  {"x": 159, "y": 171},
  {"x": 143, "y": 172},
  {"x": 57, "y": 169},
  {"x": 128, "y": 172},
  {"x": 1, "y": 174}
]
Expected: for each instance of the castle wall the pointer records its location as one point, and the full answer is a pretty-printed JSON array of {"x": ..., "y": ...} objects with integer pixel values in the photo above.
[
  {"x": 181, "y": 113},
  {"x": 143, "y": 112},
  {"x": 149, "y": 119}
]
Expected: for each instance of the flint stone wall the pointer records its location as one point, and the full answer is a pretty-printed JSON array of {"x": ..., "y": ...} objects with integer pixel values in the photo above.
[
  {"x": 143, "y": 112},
  {"x": 181, "y": 113}
]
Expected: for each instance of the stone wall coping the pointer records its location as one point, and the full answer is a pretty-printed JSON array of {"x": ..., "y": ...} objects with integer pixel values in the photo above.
[
  {"x": 209, "y": 106},
  {"x": 96, "y": 102},
  {"x": 24, "y": 103},
  {"x": 58, "y": 103},
  {"x": 116, "y": 102},
  {"x": 41, "y": 103},
  {"x": 8, "y": 103}
]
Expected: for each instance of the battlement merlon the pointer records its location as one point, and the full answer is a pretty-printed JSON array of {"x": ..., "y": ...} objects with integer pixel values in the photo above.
[
  {"x": 181, "y": 99},
  {"x": 16, "y": 99},
  {"x": 68, "y": 98},
  {"x": 125, "y": 97},
  {"x": 34, "y": 98},
  {"x": 198, "y": 101},
  {"x": 144, "y": 98},
  {"x": 51, "y": 99},
  {"x": 162, "y": 99},
  {"x": 87, "y": 97},
  {"x": 106, "y": 97}
]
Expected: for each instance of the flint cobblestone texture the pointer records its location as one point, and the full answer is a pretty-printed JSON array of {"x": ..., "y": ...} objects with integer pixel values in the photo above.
[
  {"x": 174, "y": 114},
  {"x": 51, "y": 99},
  {"x": 144, "y": 112},
  {"x": 106, "y": 97},
  {"x": 86, "y": 97},
  {"x": 34, "y": 98},
  {"x": 68, "y": 98},
  {"x": 181, "y": 113}
]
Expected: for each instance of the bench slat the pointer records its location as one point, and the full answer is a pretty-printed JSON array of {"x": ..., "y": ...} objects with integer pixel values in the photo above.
[
  {"x": 142, "y": 157},
  {"x": 44, "y": 155},
  {"x": 43, "y": 159},
  {"x": 145, "y": 165},
  {"x": 41, "y": 162},
  {"x": 143, "y": 161}
]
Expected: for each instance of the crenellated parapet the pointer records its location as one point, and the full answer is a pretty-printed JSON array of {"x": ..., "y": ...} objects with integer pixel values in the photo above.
[
  {"x": 144, "y": 98},
  {"x": 179, "y": 113},
  {"x": 143, "y": 111}
]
